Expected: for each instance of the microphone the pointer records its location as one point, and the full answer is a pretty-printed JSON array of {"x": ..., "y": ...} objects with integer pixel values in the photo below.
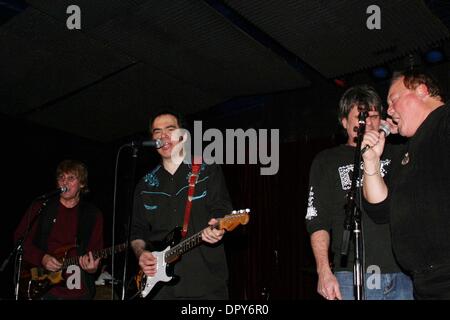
[
  {"x": 157, "y": 143},
  {"x": 384, "y": 128},
  {"x": 52, "y": 193}
]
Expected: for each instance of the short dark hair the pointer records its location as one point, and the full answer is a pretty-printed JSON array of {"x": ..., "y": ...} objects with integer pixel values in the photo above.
[
  {"x": 414, "y": 78},
  {"x": 170, "y": 111},
  {"x": 78, "y": 168},
  {"x": 363, "y": 96}
]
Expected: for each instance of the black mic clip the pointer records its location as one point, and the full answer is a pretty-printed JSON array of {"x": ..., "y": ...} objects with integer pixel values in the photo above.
[
  {"x": 52, "y": 193},
  {"x": 363, "y": 114},
  {"x": 157, "y": 143}
]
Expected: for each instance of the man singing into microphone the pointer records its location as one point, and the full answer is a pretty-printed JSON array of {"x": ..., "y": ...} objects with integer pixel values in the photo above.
[
  {"x": 416, "y": 199},
  {"x": 330, "y": 181},
  {"x": 160, "y": 205},
  {"x": 66, "y": 225}
]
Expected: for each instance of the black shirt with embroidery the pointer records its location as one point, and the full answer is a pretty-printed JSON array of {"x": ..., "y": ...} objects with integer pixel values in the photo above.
[
  {"x": 330, "y": 180},
  {"x": 159, "y": 206},
  {"x": 418, "y": 203}
]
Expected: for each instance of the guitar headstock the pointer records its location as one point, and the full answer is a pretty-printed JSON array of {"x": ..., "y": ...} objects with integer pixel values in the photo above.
[{"x": 237, "y": 217}]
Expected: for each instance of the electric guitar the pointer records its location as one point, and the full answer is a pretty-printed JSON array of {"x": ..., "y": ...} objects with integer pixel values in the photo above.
[
  {"x": 36, "y": 281},
  {"x": 174, "y": 249}
]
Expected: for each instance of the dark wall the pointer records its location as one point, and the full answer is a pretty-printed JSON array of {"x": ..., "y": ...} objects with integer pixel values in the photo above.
[
  {"x": 271, "y": 256},
  {"x": 30, "y": 155}
]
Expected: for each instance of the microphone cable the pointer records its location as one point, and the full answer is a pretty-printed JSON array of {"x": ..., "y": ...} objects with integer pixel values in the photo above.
[{"x": 113, "y": 223}]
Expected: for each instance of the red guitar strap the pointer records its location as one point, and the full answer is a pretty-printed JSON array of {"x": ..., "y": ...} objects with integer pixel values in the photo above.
[{"x": 192, "y": 181}]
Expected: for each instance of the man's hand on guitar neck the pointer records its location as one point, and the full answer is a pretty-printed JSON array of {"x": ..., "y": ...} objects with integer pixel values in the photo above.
[
  {"x": 88, "y": 263},
  {"x": 50, "y": 263},
  {"x": 211, "y": 234}
]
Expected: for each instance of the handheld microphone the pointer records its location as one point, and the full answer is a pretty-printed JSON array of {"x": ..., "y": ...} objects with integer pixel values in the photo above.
[
  {"x": 384, "y": 128},
  {"x": 157, "y": 143},
  {"x": 52, "y": 193}
]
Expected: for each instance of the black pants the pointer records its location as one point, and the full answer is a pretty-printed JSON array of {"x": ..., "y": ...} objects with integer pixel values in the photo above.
[{"x": 432, "y": 284}]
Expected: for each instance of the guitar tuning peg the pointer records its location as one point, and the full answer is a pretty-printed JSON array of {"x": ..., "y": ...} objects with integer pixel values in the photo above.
[
  {"x": 233, "y": 212},
  {"x": 241, "y": 211},
  {"x": 247, "y": 210}
]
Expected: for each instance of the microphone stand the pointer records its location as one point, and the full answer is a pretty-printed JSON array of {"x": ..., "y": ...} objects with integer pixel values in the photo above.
[
  {"x": 353, "y": 215},
  {"x": 130, "y": 216},
  {"x": 134, "y": 145},
  {"x": 18, "y": 251}
]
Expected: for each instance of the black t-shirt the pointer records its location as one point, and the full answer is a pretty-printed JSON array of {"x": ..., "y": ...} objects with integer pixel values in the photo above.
[
  {"x": 330, "y": 181},
  {"x": 159, "y": 205},
  {"x": 418, "y": 203}
]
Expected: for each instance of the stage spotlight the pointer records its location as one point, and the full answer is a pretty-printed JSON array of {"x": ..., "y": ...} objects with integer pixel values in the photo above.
[
  {"x": 434, "y": 56},
  {"x": 340, "y": 82},
  {"x": 380, "y": 73}
]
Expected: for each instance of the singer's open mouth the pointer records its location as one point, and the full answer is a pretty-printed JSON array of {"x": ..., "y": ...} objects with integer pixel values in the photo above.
[{"x": 395, "y": 121}]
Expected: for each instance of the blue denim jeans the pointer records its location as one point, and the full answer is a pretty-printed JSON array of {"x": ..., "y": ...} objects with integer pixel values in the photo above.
[{"x": 385, "y": 286}]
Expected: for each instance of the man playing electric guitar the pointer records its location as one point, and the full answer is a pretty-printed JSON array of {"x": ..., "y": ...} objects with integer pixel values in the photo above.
[
  {"x": 62, "y": 223},
  {"x": 172, "y": 248},
  {"x": 160, "y": 205}
]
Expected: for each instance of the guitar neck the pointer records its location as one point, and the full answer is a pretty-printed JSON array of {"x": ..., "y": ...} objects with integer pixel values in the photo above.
[
  {"x": 228, "y": 223},
  {"x": 103, "y": 253},
  {"x": 184, "y": 246}
]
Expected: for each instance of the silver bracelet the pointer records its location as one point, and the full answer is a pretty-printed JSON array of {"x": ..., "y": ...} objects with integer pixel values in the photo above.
[{"x": 372, "y": 174}]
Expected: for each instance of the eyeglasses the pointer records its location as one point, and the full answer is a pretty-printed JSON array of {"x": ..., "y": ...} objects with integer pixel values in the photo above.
[
  {"x": 68, "y": 178},
  {"x": 373, "y": 117}
]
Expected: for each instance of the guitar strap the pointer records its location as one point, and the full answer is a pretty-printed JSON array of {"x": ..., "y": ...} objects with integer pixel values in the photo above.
[{"x": 192, "y": 181}]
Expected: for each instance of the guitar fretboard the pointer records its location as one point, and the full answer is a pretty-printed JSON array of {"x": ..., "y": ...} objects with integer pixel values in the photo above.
[
  {"x": 184, "y": 246},
  {"x": 194, "y": 240},
  {"x": 103, "y": 253}
]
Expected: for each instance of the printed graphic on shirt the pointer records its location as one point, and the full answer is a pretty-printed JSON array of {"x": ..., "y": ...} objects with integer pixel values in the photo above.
[
  {"x": 151, "y": 179},
  {"x": 346, "y": 172},
  {"x": 148, "y": 198},
  {"x": 202, "y": 168},
  {"x": 187, "y": 186},
  {"x": 311, "y": 211}
]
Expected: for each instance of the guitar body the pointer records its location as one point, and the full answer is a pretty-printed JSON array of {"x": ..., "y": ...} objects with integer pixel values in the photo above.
[
  {"x": 172, "y": 249},
  {"x": 35, "y": 282},
  {"x": 164, "y": 268}
]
